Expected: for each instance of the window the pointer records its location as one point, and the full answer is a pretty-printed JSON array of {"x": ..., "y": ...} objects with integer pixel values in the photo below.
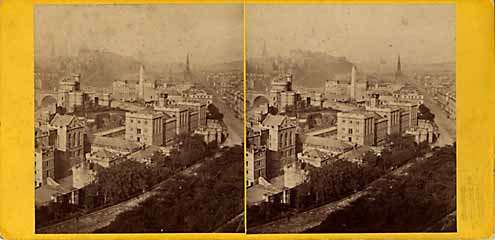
[
  {"x": 78, "y": 138},
  {"x": 138, "y": 139},
  {"x": 350, "y": 131},
  {"x": 139, "y": 121},
  {"x": 350, "y": 139},
  {"x": 350, "y": 121},
  {"x": 132, "y": 121},
  {"x": 138, "y": 131}
]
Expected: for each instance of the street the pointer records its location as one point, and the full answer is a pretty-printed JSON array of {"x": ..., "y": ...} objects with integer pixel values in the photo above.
[
  {"x": 235, "y": 126},
  {"x": 446, "y": 126}
]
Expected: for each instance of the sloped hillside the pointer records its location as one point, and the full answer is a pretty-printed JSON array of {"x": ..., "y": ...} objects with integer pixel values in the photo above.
[
  {"x": 97, "y": 68},
  {"x": 310, "y": 69}
]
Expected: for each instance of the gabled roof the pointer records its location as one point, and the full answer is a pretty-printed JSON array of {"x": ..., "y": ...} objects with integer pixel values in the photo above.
[
  {"x": 61, "y": 120},
  {"x": 274, "y": 120}
]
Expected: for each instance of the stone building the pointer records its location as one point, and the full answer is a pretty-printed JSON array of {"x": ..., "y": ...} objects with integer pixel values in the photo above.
[
  {"x": 255, "y": 164},
  {"x": 281, "y": 93},
  {"x": 69, "y": 94},
  {"x": 145, "y": 127},
  {"x": 44, "y": 164},
  {"x": 69, "y": 147},
  {"x": 370, "y": 126}
]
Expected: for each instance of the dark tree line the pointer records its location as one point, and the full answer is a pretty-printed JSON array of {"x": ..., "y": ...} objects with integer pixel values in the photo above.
[
  {"x": 128, "y": 179},
  {"x": 425, "y": 113},
  {"x": 214, "y": 113},
  {"x": 340, "y": 179},
  {"x": 197, "y": 203},
  {"x": 409, "y": 203}
]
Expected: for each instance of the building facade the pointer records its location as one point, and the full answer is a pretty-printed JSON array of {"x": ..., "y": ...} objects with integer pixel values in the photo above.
[
  {"x": 255, "y": 164},
  {"x": 69, "y": 147},
  {"x": 144, "y": 127}
]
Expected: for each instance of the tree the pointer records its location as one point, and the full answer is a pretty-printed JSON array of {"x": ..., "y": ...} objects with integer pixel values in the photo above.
[
  {"x": 189, "y": 203},
  {"x": 121, "y": 181},
  {"x": 425, "y": 113},
  {"x": 272, "y": 110},
  {"x": 214, "y": 113}
]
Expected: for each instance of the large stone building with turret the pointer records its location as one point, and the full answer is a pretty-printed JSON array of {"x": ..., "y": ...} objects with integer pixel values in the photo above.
[
  {"x": 281, "y": 93},
  {"x": 69, "y": 94}
]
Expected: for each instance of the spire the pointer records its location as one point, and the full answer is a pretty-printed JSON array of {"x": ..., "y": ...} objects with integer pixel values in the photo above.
[
  {"x": 187, "y": 70},
  {"x": 187, "y": 63},
  {"x": 264, "y": 52},
  {"x": 398, "y": 65}
]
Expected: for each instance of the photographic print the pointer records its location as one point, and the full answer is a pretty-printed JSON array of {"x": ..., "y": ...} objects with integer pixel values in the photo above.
[
  {"x": 351, "y": 114},
  {"x": 138, "y": 112}
]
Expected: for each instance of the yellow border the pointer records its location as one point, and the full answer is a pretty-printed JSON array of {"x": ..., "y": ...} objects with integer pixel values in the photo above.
[
  {"x": 475, "y": 118},
  {"x": 244, "y": 42}
]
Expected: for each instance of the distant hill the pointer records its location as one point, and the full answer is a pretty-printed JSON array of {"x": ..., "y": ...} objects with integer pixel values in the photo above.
[
  {"x": 237, "y": 65},
  {"x": 97, "y": 68},
  {"x": 310, "y": 69}
]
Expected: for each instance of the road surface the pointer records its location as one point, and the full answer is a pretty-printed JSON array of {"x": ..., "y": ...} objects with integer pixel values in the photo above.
[
  {"x": 446, "y": 126},
  {"x": 235, "y": 126},
  {"x": 95, "y": 220}
]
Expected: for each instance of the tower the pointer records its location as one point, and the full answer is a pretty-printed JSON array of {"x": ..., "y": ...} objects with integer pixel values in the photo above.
[
  {"x": 398, "y": 71},
  {"x": 398, "y": 65},
  {"x": 264, "y": 52},
  {"x": 141, "y": 82},
  {"x": 187, "y": 70},
  {"x": 353, "y": 82}
]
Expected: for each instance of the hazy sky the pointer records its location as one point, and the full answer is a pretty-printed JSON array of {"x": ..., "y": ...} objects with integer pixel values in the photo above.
[
  {"x": 362, "y": 33},
  {"x": 210, "y": 32}
]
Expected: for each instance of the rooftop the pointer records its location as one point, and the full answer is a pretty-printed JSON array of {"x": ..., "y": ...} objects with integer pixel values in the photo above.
[
  {"x": 257, "y": 193},
  {"x": 61, "y": 120},
  {"x": 274, "y": 120},
  {"x": 330, "y": 142},
  {"x": 357, "y": 153},
  {"x": 116, "y": 143}
]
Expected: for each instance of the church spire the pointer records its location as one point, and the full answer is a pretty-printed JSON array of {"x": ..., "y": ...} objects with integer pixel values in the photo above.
[
  {"x": 264, "y": 52},
  {"x": 188, "y": 69},
  {"x": 399, "y": 70}
]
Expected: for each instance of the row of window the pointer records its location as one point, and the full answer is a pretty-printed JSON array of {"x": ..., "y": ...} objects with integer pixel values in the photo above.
[
  {"x": 139, "y": 121},
  {"x": 75, "y": 139},
  {"x": 287, "y": 139}
]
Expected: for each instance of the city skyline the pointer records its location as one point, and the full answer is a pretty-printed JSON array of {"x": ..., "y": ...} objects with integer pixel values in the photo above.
[
  {"x": 420, "y": 33},
  {"x": 151, "y": 33}
]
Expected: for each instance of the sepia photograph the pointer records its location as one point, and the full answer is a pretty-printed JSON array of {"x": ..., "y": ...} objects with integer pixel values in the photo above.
[
  {"x": 139, "y": 118},
  {"x": 351, "y": 118}
]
